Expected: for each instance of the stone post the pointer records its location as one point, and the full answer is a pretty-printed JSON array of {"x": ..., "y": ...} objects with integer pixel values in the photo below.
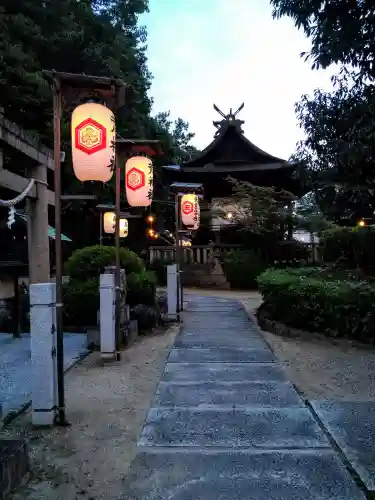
[
  {"x": 172, "y": 284},
  {"x": 107, "y": 317},
  {"x": 43, "y": 353}
]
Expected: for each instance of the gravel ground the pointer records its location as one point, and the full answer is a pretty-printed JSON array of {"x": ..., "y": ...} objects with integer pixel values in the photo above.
[
  {"x": 321, "y": 368},
  {"x": 106, "y": 406}
]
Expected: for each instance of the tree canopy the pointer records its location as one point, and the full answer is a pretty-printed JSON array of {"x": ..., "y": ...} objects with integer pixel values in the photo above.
[
  {"x": 339, "y": 148},
  {"x": 341, "y": 31},
  {"x": 95, "y": 37}
]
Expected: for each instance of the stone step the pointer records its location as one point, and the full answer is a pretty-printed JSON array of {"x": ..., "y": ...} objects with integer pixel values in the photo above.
[
  {"x": 220, "y": 354},
  {"x": 235, "y": 475},
  {"x": 231, "y": 394},
  {"x": 290, "y": 428},
  {"x": 230, "y": 372}
]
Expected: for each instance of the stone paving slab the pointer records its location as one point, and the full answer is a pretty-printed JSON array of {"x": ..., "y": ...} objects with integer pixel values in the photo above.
[
  {"x": 232, "y": 428},
  {"x": 240, "y": 331},
  {"x": 211, "y": 341},
  {"x": 210, "y": 394},
  {"x": 220, "y": 354},
  {"x": 352, "y": 426},
  {"x": 231, "y": 372},
  {"x": 221, "y": 322},
  {"x": 236, "y": 475},
  {"x": 191, "y": 331}
]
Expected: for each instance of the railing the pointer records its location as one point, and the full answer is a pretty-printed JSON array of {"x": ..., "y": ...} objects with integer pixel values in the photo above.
[
  {"x": 196, "y": 254},
  {"x": 202, "y": 254}
]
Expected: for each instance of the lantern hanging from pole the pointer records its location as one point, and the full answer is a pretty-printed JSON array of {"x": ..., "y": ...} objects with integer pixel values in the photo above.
[
  {"x": 93, "y": 142},
  {"x": 190, "y": 211},
  {"x": 124, "y": 228},
  {"x": 109, "y": 220},
  {"x": 139, "y": 181}
]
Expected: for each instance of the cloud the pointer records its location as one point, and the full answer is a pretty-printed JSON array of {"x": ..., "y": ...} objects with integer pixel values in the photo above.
[{"x": 229, "y": 52}]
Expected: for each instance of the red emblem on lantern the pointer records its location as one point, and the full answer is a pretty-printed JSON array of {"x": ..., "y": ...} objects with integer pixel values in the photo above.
[
  {"x": 90, "y": 136},
  {"x": 135, "y": 179},
  {"x": 187, "y": 208}
]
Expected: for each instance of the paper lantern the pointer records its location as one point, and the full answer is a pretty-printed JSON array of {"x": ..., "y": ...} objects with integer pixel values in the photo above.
[
  {"x": 93, "y": 142},
  {"x": 190, "y": 211},
  {"x": 139, "y": 181},
  {"x": 109, "y": 219},
  {"x": 124, "y": 228}
]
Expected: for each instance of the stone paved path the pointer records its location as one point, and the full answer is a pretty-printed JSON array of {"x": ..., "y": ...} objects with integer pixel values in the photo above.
[{"x": 226, "y": 424}]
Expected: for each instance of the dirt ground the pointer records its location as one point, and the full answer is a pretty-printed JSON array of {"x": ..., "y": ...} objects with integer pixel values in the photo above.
[
  {"x": 321, "y": 368},
  {"x": 106, "y": 406}
]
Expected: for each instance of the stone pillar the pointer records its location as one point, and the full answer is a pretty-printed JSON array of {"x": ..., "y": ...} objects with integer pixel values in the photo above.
[
  {"x": 172, "y": 284},
  {"x": 151, "y": 255},
  {"x": 43, "y": 353},
  {"x": 107, "y": 317},
  {"x": 37, "y": 229}
]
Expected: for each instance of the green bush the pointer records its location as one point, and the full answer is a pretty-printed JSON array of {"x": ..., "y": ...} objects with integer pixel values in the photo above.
[
  {"x": 141, "y": 288},
  {"x": 242, "y": 267},
  {"x": 287, "y": 253},
  {"x": 349, "y": 247},
  {"x": 89, "y": 262},
  {"x": 339, "y": 308},
  {"x": 81, "y": 302},
  {"x": 159, "y": 267},
  {"x": 81, "y": 295}
]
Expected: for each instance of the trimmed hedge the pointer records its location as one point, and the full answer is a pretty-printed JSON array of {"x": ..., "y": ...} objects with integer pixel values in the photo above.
[
  {"x": 336, "y": 308},
  {"x": 352, "y": 247},
  {"x": 89, "y": 262},
  {"x": 242, "y": 268},
  {"x": 81, "y": 295}
]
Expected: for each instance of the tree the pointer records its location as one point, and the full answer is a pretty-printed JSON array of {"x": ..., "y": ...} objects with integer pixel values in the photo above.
[
  {"x": 339, "y": 126},
  {"x": 309, "y": 217},
  {"x": 339, "y": 149},
  {"x": 341, "y": 31},
  {"x": 256, "y": 209},
  {"x": 98, "y": 37}
]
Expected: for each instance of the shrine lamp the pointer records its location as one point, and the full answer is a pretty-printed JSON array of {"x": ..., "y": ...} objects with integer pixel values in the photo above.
[
  {"x": 139, "y": 181},
  {"x": 190, "y": 211},
  {"x": 124, "y": 228},
  {"x": 109, "y": 220},
  {"x": 93, "y": 142}
]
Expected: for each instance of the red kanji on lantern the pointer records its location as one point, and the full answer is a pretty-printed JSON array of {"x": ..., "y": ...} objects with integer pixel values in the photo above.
[
  {"x": 187, "y": 207},
  {"x": 135, "y": 179},
  {"x": 90, "y": 136}
]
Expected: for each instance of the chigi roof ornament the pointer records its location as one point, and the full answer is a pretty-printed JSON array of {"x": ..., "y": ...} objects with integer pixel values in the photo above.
[{"x": 228, "y": 120}]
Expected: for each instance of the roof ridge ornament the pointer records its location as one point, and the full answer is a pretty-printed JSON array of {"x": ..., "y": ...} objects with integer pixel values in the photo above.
[{"x": 229, "y": 120}]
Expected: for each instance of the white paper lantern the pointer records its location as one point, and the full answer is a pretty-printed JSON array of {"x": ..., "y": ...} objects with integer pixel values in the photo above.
[
  {"x": 190, "y": 211},
  {"x": 124, "y": 228},
  {"x": 93, "y": 142},
  {"x": 139, "y": 181},
  {"x": 109, "y": 219}
]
